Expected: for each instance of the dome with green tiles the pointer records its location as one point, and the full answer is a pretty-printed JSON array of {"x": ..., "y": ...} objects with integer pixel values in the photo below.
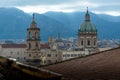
[{"x": 87, "y": 25}]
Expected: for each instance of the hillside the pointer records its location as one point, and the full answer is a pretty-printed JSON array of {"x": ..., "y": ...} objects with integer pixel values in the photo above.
[{"x": 14, "y": 22}]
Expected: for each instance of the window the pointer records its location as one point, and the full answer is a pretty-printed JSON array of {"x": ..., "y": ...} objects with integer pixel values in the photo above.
[
  {"x": 82, "y": 42},
  {"x": 57, "y": 44},
  {"x": 88, "y": 42},
  {"x": 37, "y": 54},
  {"x": 68, "y": 45},
  {"x": 36, "y": 35},
  {"x": 56, "y": 55},
  {"x": 56, "y": 61},
  {"x": 11, "y": 53},
  {"x": 64, "y": 55},
  {"x": 36, "y": 45},
  {"x": 18, "y": 58},
  {"x": 75, "y": 55},
  {"x": 17, "y": 53},
  {"x": 79, "y": 54},
  {"x": 24, "y": 58},
  {"x": 49, "y": 55},
  {"x": 29, "y": 46},
  {"x": 29, "y": 55},
  {"x": 68, "y": 55},
  {"x": 71, "y": 55},
  {"x": 30, "y": 35},
  {"x": 44, "y": 61},
  {"x": 94, "y": 42}
]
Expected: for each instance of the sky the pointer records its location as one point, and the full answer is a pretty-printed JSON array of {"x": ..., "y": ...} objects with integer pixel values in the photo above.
[{"x": 111, "y": 7}]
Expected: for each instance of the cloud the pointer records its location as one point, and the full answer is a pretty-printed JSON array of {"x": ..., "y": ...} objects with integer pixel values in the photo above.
[
  {"x": 41, "y": 6},
  {"x": 53, "y": 2},
  {"x": 11, "y": 3},
  {"x": 65, "y": 7},
  {"x": 105, "y": 1}
]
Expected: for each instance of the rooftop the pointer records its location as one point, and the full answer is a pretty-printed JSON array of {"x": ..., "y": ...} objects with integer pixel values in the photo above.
[
  {"x": 43, "y": 46},
  {"x": 102, "y": 65},
  {"x": 13, "y": 45},
  {"x": 12, "y": 70}
]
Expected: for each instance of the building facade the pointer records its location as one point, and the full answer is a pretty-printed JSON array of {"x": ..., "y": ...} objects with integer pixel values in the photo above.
[
  {"x": 50, "y": 56},
  {"x": 14, "y": 51},
  {"x": 33, "y": 52},
  {"x": 87, "y": 34},
  {"x": 66, "y": 55},
  {"x": 56, "y": 50},
  {"x": 33, "y": 44}
]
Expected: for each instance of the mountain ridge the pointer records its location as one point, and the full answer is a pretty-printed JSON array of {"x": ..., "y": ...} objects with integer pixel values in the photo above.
[{"x": 14, "y": 22}]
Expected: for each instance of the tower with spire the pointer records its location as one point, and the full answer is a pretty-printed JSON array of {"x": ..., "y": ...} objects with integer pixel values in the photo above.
[
  {"x": 33, "y": 43},
  {"x": 87, "y": 34},
  {"x": 87, "y": 16}
]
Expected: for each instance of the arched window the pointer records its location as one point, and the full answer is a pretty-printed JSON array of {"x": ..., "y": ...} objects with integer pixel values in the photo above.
[
  {"x": 37, "y": 46},
  {"x": 30, "y": 35},
  {"x": 36, "y": 35},
  {"x": 88, "y": 42},
  {"x": 29, "y": 55},
  {"x": 29, "y": 46}
]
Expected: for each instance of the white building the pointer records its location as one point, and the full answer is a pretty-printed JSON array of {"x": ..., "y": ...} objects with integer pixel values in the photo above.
[
  {"x": 50, "y": 56},
  {"x": 16, "y": 51},
  {"x": 66, "y": 55}
]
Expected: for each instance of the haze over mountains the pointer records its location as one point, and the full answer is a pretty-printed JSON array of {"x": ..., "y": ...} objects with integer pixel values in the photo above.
[{"x": 14, "y": 22}]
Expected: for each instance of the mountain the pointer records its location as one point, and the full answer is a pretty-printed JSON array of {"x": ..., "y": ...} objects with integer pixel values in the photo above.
[
  {"x": 51, "y": 27},
  {"x": 110, "y": 18},
  {"x": 14, "y": 22},
  {"x": 107, "y": 29}
]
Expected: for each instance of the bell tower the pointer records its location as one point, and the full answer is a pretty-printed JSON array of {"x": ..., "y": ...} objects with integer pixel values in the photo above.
[{"x": 33, "y": 44}]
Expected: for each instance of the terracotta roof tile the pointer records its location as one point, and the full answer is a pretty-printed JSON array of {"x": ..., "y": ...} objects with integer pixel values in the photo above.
[
  {"x": 45, "y": 46},
  {"x": 104, "y": 65},
  {"x": 13, "y": 45}
]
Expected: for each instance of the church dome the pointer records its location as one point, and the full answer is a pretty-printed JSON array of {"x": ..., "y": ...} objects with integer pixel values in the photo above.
[{"x": 87, "y": 25}]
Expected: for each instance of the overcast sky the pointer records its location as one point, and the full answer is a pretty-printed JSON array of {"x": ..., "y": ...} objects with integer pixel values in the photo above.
[{"x": 111, "y": 7}]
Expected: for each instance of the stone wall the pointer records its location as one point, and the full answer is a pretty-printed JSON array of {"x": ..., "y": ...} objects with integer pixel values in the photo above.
[{"x": 17, "y": 71}]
